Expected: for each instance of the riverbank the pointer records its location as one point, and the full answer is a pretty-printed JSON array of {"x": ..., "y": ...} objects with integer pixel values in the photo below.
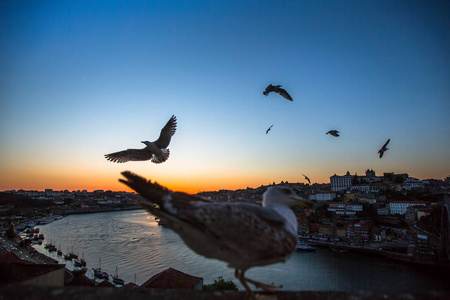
[{"x": 379, "y": 252}]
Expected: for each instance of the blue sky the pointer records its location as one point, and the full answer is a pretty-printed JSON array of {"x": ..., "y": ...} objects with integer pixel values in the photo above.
[{"x": 81, "y": 79}]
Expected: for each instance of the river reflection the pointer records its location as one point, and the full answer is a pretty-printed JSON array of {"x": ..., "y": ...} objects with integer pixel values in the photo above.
[{"x": 133, "y": 242}]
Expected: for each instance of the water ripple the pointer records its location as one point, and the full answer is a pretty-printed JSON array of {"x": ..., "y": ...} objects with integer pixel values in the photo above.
[{"x": 134, "y": 243}]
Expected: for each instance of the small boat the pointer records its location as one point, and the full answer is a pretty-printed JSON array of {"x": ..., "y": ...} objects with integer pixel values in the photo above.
[
  {"x": 161, "y": 223},
  {"x": 98, "y": 273},
  {"x": 59, "y": 252},
  {"x": 301, "y": 246},
  {"x": 336, "y": 250},
  {"x": 73, "y": 255},
  {"x": 82, "y": 261},
  {"x": 83, "y": 270},
  {"x": 67, "y": 255},
  {"x": 117, "y": 279},
  {"x": 77, "y": 263}
]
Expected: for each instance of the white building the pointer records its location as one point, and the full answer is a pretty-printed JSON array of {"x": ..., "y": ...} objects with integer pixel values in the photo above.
[
  {"x": 399, "y": 207},
  {"x": 323, "y": 196},
  {"x": 413, "y": 183},
  {"x": 345, "y": 209},
  {"x": 383, "y": 211},
  {"x": 339, "y": 183},
  {"x": 365, "y": 188}
]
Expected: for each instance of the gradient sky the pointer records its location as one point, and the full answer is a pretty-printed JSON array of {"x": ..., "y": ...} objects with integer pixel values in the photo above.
[{"x": 80, "y": 79}]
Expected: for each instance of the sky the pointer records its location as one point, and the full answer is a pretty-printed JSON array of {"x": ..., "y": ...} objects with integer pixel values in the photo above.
[{"x": 81, "y": 79}]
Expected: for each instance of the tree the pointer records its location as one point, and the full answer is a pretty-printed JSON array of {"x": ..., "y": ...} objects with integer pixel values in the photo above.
[{"x": 220, "y": 284}]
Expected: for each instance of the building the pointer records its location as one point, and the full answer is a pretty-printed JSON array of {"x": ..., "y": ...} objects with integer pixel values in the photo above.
[
  {"x": 342, "y": 208},
  {"x": 364, "y": 188},
  {"x": 340, "y": 183},
  {"x": 323, "y": 196},
  {"x": 16, "y": 270},
  {"x": 399, "y": 207},
  {"x": 359, "y": 231},
  {"x": 383, "y": 211},
  {"x": 413, "y": 183}
]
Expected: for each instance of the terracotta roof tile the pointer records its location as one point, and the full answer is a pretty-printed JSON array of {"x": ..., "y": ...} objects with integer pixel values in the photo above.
[{"x": 172, "y": 279}]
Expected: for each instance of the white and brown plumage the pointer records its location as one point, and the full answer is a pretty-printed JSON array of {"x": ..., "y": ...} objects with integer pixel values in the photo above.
[
  {"x": 333, "y": 132},
  {"x": 383, "y": 149},
  {"x": 277, "y": 89},
  {"x": 155, "y": 151},
  {"x": 243, "y": 235}
]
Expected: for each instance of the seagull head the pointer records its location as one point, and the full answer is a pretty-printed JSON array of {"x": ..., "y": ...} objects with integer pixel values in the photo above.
[{"x": 282, "y": 195}]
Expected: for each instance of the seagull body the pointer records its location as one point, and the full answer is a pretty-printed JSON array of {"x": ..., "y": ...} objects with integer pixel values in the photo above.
[
  {"x": 243, "y": 235},
  {"x": 277, "y": 89},
  {"x": 155, "y": 151},
  {"x": 267, "y": 131},
  {"x": 306, "y": 177},
  {"x": 383, "y": 149},
  {"x": 334, "y": 133}
]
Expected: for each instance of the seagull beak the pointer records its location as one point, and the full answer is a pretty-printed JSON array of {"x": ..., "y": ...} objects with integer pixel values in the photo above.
[{"x": 305, "y": 203}]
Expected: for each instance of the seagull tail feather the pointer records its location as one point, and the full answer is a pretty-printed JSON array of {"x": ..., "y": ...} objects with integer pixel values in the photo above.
[{"x": 161, "y": 158}]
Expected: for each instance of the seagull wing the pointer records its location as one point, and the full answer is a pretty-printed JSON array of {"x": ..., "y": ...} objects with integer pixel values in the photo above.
[
  {"x": 129, "y": 155},
  {"x": 166, "y": 133},
  {"x": 385, "y": 144},
  {"x": 285, "y": 94},
  {"x": 306, "y": 177},
  {"x": 268, "y": 89},
  {"x": 214, "y": 229}
]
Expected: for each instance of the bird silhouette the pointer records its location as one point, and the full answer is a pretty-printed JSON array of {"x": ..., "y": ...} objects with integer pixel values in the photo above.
[
  {"x": 383, "y": 149},
  {"x": 267, "y": 131},
  {"x": 270, "y": 234},
  {"x": 334, "y": 133},
  {"x": 277, "y": 89},
  {"x": 306, "y": 177},
  {"x": 155, "y": 151}
]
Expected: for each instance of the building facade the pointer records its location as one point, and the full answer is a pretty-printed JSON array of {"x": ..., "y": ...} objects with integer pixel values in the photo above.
[
  {"x": 340, "y": 183},
  {"x": 400, "y": 207}
]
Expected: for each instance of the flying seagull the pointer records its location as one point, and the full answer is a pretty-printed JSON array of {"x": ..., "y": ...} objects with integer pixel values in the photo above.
[
  {"x": 381, "y": 151},
  {"x": 250, "y": 235},
  {"x": 306, "y": 177},
  {"x": 156, "y": 151},
  {"x": 333, "y": 133},
  {"x": 277, "y": 89},
  {"x": 267, "y": 131}
]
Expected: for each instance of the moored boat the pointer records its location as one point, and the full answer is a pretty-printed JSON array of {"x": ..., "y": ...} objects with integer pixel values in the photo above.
[
  {"x": 301, "y": 246},
  {"x": 98, "y": 273},
  {"x": 117, "y": 279},
  {"x": 337, "y": 250}
]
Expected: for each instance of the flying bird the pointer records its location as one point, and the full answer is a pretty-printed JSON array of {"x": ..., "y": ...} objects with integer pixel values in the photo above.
[
  {"x": 383, "y": 149},
  {"x": 277, "y": 89},
  {"x": 267, "y": 131},
  {"x": 306, "y": 177},
  {"x": 155, "y": 151},
  {"x": 333, "y": 133},
  {"x": 250, "y": 235}
]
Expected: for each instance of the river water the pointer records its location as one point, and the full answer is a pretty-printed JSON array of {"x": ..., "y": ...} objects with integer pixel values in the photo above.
[{"x": 132, "y": 242}]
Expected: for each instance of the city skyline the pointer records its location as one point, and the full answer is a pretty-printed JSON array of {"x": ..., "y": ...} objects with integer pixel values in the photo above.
[
  {"x": 343, "y": 175},
  {"x": 83, "y": 79}
]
